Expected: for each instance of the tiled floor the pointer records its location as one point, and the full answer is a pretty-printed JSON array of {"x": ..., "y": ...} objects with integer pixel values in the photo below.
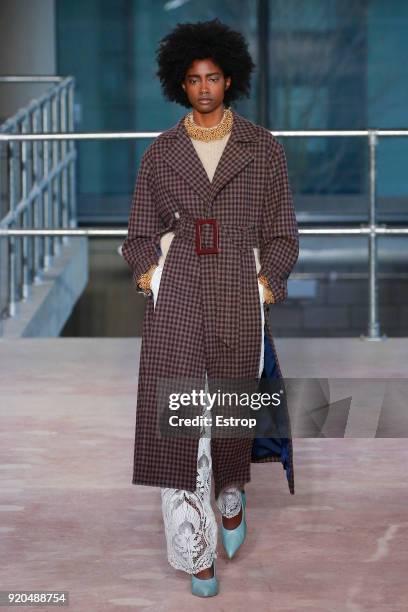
[{"x": 70, "y": 519}]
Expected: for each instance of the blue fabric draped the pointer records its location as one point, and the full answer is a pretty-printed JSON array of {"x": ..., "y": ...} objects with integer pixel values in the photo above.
[{"x": 266, "y": 447}]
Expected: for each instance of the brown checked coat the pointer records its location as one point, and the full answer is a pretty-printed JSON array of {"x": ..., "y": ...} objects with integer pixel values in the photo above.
[{"x": 207, "y": 315}]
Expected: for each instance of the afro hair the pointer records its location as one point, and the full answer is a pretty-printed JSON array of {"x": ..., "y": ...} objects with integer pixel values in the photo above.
[{"x": 201, "y": 40}]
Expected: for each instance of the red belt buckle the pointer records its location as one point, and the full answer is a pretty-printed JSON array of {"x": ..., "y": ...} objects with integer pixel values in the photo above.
[{"x": 209, "y": 250}]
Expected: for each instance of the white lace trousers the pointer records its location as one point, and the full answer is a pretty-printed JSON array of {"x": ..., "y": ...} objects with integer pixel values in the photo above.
[{"x": 190, "y": 526}]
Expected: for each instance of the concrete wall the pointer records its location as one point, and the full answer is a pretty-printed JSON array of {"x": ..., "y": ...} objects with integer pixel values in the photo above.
[
  {"x": 27, "y": 47},
  {"x": 52, "y": 300}
]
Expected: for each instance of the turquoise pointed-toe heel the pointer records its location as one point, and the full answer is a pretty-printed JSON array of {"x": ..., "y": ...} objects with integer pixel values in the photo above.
[
  {"x": 206, "y": 587},
  {"x": 232, "y": 539}
]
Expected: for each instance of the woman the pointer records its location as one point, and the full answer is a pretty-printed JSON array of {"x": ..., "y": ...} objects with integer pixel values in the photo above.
[{"x": 212, "y": 239}]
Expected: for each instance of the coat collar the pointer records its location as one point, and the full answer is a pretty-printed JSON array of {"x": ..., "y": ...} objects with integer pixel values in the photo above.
[{"x": 182, "y": 156}]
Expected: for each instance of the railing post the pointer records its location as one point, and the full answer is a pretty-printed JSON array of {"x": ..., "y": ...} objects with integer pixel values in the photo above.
[
  {"x": 72, "y": 148},
  {"x": 373, "y": 319},
  {"x": 65, "y": 171},
  {"x": 48, "y": 217},
  {"x": 56, "y": 185},
  {"x": 13, "y": 242},
  {"x": 4, "y": 243},
  {"x": 38, "y": 146},
  {"x": 27, "y": 242}
]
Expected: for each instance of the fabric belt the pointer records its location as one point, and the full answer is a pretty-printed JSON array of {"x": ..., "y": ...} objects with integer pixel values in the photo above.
[{"x": 232, "y": 241}]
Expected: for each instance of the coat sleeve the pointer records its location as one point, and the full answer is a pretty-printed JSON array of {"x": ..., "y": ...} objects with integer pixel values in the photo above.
[
  {"x": 279, "y": 248},
  {"x": 141, "y": 247}
]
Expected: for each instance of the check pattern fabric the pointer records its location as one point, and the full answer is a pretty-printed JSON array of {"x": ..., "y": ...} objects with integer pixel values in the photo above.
[{"x": 215, "y": 327}]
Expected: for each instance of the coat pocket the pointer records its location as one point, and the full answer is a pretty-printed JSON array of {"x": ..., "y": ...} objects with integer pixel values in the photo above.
[
  {"x": 158, "y": 277},
  {"x": 260, "y": 286},
  {"x": 262, "y": 317},
  {"x": 155, "y": 283}
]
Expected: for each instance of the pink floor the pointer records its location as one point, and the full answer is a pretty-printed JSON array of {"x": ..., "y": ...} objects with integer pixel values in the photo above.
[{"x": 71, "y": 520}]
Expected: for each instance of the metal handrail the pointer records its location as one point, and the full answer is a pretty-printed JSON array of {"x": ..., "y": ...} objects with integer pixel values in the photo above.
[
  {"x": 31, "y": 78},
  {"x": 39, "y": 185},
  {"x": 90, "y": 231},
  {"x": 133, "y": 135},
  {"x": 372, "y": 230}
]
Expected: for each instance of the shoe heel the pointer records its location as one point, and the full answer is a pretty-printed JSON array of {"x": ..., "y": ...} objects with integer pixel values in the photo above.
[{"x": 207, "y": 587}]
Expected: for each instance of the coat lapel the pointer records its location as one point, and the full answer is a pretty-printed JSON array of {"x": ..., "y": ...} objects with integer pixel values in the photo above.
[{"x": 183, "y": 158}]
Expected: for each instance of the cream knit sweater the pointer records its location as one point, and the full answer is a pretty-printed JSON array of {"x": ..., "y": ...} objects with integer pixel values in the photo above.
[{"x": 209, "y": 154}]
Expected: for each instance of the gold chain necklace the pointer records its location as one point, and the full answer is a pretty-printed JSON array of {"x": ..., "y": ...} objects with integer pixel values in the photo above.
[{"x": 209, "y": 133}]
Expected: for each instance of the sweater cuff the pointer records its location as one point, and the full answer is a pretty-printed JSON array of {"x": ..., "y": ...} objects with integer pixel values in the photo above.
[
  {"x": 268, "y": 293},
  {"x": 143, "y": 282}
]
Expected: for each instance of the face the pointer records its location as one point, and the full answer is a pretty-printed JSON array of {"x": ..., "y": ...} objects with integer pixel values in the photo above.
[{"x": 205, "y": 85}]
